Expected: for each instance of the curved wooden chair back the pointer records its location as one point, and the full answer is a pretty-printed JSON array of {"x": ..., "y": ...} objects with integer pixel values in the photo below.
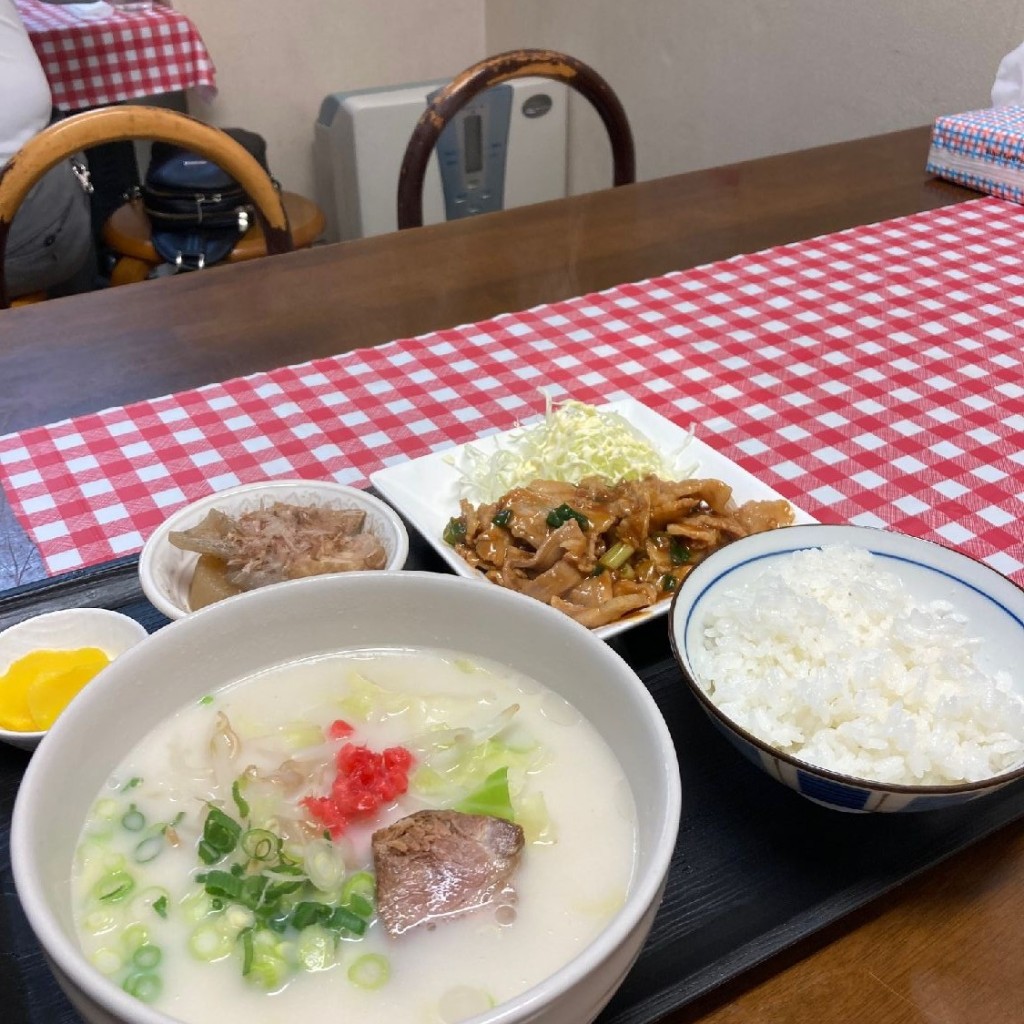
[
  {"x": 116, "y": 124},
  {"x": 492, "y": 71}
]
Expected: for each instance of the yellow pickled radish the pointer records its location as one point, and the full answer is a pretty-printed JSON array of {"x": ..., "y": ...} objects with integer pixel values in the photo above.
[{"x": 39, "y": 686}]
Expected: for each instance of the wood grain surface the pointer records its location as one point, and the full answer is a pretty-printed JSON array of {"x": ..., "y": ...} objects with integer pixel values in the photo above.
[{"x": 945, "y": 948}]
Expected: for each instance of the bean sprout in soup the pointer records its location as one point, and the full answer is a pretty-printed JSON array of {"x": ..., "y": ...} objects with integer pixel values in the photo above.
[{"x": 392, "y": 834}]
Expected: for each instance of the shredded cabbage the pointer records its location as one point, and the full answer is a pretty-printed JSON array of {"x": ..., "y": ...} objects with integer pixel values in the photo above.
[{"x": 574, "y": 440}]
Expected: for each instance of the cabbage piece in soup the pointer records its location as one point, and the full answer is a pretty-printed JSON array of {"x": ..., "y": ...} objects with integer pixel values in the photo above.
[{"x": 230, "y": 857}]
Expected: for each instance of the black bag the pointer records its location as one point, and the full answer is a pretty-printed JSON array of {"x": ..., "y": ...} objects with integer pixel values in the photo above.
[{"x": 197, "y": 212}]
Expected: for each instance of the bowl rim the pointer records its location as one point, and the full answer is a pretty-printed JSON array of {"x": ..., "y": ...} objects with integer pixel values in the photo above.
[
  {"x": 856, "y": 782},
  {"x": 27, "y": 739},
  {"x": 155, "y": 541},
  {"x": 642, "y": 896}
]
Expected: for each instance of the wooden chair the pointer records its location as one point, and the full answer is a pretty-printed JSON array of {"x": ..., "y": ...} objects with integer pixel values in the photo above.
[
  {"x": 492, "y": 71},
  {"x": 114, "y": 124}
]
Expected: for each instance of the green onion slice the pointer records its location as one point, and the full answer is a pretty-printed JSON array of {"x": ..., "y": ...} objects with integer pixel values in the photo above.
[
  {"x": 678, "y": 553},
  {"x": 558, "y": 516},
  {"x": 149, "y": 849},
  {"x": 342, "y": 919},
  {"x": 240, "y": 801},
  {"x": 147, "y": 957},
  {"x": 220, "y": 836},
  {"x": 133, "y": 819},
  {"x": 455, "y": 531},
  {"x": 616, "y": 556},
  {"x": 144, "y": 986},
  {"x": 260, "y": 844},
  {"x": 372, "y": 970},
  {"x": 114, "y": 887}
]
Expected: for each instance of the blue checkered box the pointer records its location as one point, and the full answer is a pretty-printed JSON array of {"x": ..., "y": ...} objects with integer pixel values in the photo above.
[{"x": 982, "y": 149}]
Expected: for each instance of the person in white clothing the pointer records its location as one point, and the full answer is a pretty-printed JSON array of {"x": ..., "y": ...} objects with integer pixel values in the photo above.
[{"x": 50, "y": 242}]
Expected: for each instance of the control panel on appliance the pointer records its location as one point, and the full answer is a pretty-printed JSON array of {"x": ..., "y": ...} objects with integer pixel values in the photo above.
[{"x": 472, "y": 152}]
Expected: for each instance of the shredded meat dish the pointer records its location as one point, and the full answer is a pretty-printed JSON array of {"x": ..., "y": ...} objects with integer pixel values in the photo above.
[
  {"x": 283, "y": 542},
  {"x": 599, "y": 551}
]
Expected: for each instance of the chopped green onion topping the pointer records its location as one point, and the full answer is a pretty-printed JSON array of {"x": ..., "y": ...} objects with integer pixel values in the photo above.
[
  {"x": 370, "y": 971},
  {"x": 220, "y": 836},
  {"x": 160, "y": 906},
  {"x": 558, "y": 516},
  {"x": 260, "y": 844},
  {"x": 455, "y": 531},
  {"x": 616, "y": 556},
  {"x": 143, "y": 986},
  {"x": 208, "y": 699},
  {"x": 261, "y": 891},
  {"x": 360, "y": 887},
  {"x": 359, "y": 905},
  {"x": 149, "y": 849},
  {"x": 133, "y": 819},
  {"x": 240, "y": 802},
  {"x": 679, "y": 553},
  {"x": 501, "y": 518},
  {"x": 669, "y": 582},
  {"x": 147, "y": 957},
  {"x": 114, "y": 887},
  {"x": 246, "y": 951},
  {"x": 131, "y": 784},
  {"x": 342, "y": 919}
]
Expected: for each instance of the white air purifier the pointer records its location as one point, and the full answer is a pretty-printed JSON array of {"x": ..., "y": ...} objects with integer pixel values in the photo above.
[{"x": 506, "y": 148}]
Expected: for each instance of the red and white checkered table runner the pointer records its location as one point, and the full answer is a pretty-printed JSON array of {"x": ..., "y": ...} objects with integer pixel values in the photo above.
[
  {"x": 872, "y": 376},
  {"x": 135, "y": 50}
]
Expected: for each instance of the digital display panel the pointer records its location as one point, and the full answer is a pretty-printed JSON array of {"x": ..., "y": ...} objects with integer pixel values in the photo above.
[{"x": 473, "y": 143}]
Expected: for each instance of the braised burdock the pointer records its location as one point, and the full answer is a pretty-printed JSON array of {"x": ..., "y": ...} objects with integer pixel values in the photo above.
[{"x": 274, "y": 543}]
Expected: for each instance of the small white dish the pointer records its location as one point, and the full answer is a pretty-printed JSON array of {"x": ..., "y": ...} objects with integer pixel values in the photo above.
[
  {"x": 426, "y": 490},
  {"x": 165, "y": 572},
  {"x": 65, "y": 630}
]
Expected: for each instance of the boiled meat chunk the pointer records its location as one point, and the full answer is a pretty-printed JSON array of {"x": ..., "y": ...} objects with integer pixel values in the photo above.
[{"x": 434, "y": 865}]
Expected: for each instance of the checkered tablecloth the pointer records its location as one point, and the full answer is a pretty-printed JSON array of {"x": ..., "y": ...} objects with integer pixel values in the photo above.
[
  {"x": 133, "y": 50},
  {"x": 873, "y": 376}
]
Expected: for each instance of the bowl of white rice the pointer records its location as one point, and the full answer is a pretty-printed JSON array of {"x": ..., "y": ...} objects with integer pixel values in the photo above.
[{"x": 865, "y": 669}]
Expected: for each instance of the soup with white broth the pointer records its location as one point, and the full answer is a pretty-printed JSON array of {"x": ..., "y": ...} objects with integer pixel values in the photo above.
[{"x": 226, "y": 870}]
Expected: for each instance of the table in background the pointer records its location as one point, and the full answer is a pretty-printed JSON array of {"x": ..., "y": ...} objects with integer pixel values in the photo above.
[
  {"x": 943, "y": 947},
  {"x": 132, "y": 51}
]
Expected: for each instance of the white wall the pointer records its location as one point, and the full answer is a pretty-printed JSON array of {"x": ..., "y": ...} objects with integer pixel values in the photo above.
[
  {"x": 704, "y": 82},
  {"x": 707, "y": 82},
  {"x": 277, "y": 59}
]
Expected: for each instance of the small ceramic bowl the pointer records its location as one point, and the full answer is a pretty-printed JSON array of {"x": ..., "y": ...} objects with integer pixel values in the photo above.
[
  {"x": 165, "y": 572},
  {"x": 65, "y": 630},
  {"x": 992, "y": 605}
]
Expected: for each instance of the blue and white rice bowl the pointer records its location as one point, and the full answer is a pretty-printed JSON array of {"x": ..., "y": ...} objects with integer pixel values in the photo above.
[{"x": 992, "y": 605}]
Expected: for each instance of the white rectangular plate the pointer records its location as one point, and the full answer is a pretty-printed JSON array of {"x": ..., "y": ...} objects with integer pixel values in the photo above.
[{"x": 426, "y": 490}]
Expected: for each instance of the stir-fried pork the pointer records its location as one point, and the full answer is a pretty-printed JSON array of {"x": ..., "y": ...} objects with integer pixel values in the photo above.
[{"x": 598, "y": 550}]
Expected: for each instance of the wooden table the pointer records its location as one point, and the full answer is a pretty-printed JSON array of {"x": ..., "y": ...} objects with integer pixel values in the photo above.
[{"x": 944, "y": 947}]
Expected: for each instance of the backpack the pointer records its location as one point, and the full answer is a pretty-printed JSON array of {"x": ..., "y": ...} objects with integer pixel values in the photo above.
[{"x": 197, "y": 211}]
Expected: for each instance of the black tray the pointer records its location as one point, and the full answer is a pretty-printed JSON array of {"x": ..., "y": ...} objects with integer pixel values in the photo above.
[{"x": 756, "y": 867}]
